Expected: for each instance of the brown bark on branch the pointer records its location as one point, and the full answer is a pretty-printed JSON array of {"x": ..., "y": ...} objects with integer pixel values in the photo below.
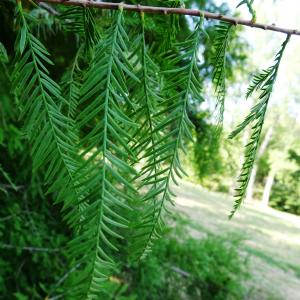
[
  {"x": 178, "y": 11},
  {"x": 49, "y": 8}
]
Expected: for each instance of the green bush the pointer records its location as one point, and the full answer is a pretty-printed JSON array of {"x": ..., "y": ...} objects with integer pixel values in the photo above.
[
  {"x": 285, "y": 196},
  {"x": 181, "y": 267},
  {"x": 286, "y": 191}
]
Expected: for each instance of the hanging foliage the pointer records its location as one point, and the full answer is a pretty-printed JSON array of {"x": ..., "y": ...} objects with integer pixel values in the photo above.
[{"x": 109, "y": 137}]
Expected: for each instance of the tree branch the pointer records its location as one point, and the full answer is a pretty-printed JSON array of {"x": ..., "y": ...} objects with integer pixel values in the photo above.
[
  {"x": 50, "y": 9},
  {"x": 30, "y": 249},
  {"x": 178, "y": 11}
]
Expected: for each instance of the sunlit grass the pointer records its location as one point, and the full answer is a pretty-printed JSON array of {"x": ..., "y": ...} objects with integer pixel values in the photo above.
[{"x": 271, "y": 238}]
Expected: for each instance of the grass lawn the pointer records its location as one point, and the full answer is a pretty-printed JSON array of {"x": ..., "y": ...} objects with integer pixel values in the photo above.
[{"x": 271, "y": 239}]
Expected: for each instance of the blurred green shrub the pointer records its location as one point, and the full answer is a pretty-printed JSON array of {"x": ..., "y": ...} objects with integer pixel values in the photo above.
[
  {"x": 285, "y": 196},
  {"x": 286, "y": 190},
  {"x": 181, "y": 267}
]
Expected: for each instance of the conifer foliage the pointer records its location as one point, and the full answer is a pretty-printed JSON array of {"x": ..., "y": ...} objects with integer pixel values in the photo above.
[
  {"x": 219, "y": 63},
  {"x": 264, "y": 83},
  {"x": 109, "y": 138},
  {"x": 40, "y": 98}
]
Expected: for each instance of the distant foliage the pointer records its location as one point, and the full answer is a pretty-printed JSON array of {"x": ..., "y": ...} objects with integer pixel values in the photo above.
[
  {"x": 207, "y": 157},
  {"x": 286, "y": 191}
]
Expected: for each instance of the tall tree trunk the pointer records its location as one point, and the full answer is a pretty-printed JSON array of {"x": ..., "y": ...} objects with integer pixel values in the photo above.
[
  {"x": 241, "y": 158},
  {"x": 268, "y": 188},
  {"x": 250, "y": 189},
  {"x": 261, "y": 150}
]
